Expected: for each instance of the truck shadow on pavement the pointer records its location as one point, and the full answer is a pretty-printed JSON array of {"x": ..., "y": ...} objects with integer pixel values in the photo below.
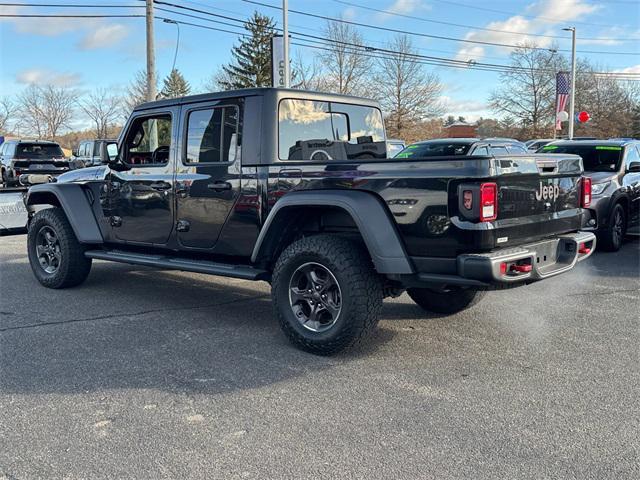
[{"x": 133, "y": 328}]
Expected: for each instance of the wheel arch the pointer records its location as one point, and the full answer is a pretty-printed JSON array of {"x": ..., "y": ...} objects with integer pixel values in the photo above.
[
  {"x": 73, "y": 201},
  {"x": 362, "y": 210}
]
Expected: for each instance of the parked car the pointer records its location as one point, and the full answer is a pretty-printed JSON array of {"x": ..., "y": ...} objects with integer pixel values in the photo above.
[
  {"x": 20, "y": 157},
  {"x": 88, "y": 152},
  {"x": 294, "y": 187},
  {"x": 613, "y": 166},
  {"x": 394, "y": 146},
  {"x": 536, "y": 144},
  {"x": 463, "y": 146}
]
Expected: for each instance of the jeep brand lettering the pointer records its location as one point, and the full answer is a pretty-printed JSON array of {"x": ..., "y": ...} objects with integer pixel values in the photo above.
[{"x": 548, "y": 192}]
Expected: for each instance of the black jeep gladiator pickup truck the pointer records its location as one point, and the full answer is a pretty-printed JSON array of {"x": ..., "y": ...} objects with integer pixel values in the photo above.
[{"x": 294, "y": 188}]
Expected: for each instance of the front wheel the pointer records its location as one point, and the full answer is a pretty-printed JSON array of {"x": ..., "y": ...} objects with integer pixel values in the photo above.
[
  {"x": 452, "y": 300},
  {"x": 612, "y": 236},
  {"x": 56, "y": 257},
  {"x": 326, "y": 294}
]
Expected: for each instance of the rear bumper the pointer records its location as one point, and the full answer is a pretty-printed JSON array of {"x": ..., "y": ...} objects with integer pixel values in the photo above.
[{"x": 519, "y": 265}]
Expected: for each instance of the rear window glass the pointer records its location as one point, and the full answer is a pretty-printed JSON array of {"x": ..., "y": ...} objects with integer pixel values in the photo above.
[
  {"x": 420, "y": 150},
  {"x": 595, "y": 158},
  {"x": 38, "y": 150},
  {"x": 324, "y": 131}
]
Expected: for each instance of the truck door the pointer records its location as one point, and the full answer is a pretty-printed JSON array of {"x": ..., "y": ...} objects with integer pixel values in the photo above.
[
  {"x": 141, "y": 196},
  {"x": 208, "y": 173}
]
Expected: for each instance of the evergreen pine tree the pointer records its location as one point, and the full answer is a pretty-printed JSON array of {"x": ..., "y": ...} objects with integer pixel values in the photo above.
[
  {"x": 251, "y": 66},
  {"x": 175, "y": 85}
]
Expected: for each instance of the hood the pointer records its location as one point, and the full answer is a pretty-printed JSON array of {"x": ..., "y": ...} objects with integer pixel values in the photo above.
[
  {"x": 600, "y": 177},
  {"x": 84, "y": 175}
]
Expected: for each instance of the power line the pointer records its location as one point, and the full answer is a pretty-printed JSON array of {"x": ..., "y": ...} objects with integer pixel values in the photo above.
[
  {"x": 419, "y": 34},
  {"x": 451, "y": 24},
  {"x": 67, "y": 5},
  {"x": 35, "y": 15}
]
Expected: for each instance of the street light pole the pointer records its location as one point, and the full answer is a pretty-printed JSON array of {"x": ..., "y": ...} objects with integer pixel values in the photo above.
[
  {"x": 175, "y": 55},
  {"x": 572, "y": 94},
  {"x": 151, "y": 60},
  {"x": 285, "y": 39}
]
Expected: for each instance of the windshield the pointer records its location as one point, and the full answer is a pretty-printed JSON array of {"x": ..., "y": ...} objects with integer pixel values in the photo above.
[
  {"x": 38, "y": 150},
  {"x": 595, "y": 158},
  {"x": 420, "y": 150}
]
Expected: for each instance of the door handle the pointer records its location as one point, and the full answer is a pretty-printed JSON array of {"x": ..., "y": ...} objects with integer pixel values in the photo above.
[
  {"x": 218, "y": 186},
  {"x": 160, "y": 186}
]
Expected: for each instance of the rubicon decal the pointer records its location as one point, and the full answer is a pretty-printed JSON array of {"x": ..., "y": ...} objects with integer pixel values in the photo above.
[{"x": 548, "y": 192}]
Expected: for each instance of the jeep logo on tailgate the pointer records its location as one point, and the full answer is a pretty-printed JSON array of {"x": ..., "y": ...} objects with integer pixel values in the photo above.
[{"x": 548, "y": 192}]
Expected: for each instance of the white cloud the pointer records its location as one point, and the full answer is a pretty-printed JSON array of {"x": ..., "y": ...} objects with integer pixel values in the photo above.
[
  {"x": 349, "y": 14},
  {"x": 403, "y": 7},
  {"x": 634, "y": 69},
  {"x": 518, "y": 29},
  {"x": 40, "y": 76},
  {"x": 462, "y": 107},
  {"x": 104, "y": 36}
]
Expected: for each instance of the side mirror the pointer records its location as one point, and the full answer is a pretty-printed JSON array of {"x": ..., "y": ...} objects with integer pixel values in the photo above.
[
  {"x": 108, "y": 153},
  {"x": 634, "y": 167}
]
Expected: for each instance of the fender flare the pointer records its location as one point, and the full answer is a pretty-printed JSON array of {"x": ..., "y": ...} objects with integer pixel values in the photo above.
[
  {"x": 371, "y": 216},
  {"x": 74, "y": 203}
]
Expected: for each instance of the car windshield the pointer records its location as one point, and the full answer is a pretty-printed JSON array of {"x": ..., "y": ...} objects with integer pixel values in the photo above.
[
  {"x": 595, "y": 158},
  {"x": 420, "y": 150},
  {"x": 38, "y": 150}
]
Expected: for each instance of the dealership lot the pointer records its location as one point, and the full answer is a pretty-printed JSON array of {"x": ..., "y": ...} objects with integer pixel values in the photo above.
[{"x": 147, "y": 374}]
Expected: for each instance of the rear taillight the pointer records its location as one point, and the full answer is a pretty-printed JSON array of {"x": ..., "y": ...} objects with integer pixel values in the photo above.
[
  {"x": 489, "y": 202},
  {"x": 586, "y": 192}
]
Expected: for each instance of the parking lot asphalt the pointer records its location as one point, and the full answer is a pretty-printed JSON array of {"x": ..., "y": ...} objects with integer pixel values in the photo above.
[{"x": 152, "y": 374}]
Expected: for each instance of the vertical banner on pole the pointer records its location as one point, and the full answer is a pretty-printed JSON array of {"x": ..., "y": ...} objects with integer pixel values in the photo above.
[
  {"x": 562, "y": 95},
  {"x": 277, "y": 61}
]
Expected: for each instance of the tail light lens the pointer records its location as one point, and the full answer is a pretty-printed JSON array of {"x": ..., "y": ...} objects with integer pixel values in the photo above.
[
  {"x": 586, "y": 192},
  {"x": 489, "y": 202}
]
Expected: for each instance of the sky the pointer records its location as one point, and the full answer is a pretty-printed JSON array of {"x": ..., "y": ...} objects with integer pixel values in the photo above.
[{"x": 107, "y": 52}]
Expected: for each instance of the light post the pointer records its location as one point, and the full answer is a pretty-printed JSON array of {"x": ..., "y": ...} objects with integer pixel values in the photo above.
[
  {"x": 285, "y": 39},
  {"x": 175, "y": 55},
  {"x": 572, "y": 94}
]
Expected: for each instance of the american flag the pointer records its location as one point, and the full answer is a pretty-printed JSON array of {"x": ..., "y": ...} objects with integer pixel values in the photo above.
[{"x": 562, "y": 95}]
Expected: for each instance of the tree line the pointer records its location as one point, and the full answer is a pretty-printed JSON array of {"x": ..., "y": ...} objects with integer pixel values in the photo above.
[{"x": 409, "y": 92}]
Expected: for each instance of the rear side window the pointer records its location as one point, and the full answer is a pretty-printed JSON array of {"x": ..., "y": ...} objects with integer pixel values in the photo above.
[
  {"x": 481, "y": 151},
  {"x": 324, "y": 131},
  {"x": 516, "y": 149},
  {"x": 212, "y": 135},
  {"x": 632, "y": 155},
  {"x": 38, "y": 150}
]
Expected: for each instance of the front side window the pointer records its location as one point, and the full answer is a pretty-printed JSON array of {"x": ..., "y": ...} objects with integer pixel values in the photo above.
[
  {"x": 149, "y": 141},
  {"x": 516, "y": 149},
  {"x": 632, "y": 155},
  {"x": 498, "y": 150},
  {"x": 319, "y": 131},
  {"x": 212, "y": 135}
]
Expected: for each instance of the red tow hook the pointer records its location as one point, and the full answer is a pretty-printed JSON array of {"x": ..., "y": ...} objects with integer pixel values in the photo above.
[
  {"x": 521, "y": 268},
  {"x": 583, "y": 249}
]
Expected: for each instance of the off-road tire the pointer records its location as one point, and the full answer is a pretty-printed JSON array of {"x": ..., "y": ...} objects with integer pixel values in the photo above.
[
  {"x": 74, "y": 267},
  {"x": 449, "y": 301},
  {"x": 361, "y": 292},
  {"x": 610, "y": 239}
]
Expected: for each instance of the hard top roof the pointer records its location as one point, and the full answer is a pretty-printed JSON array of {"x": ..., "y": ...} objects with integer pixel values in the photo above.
[
  {"x": 263, "y": 91},
  {"x": 595, "y": 143}
]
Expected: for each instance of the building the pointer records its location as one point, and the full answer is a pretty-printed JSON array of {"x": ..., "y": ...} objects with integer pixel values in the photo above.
[{"x": 461, "y": 130}]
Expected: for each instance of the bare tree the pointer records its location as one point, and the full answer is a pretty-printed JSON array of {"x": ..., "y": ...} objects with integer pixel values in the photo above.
[
  {"x": 136, "y": 92},
  {"x": 7, "y": 111},
  {"x": 407, "y": 92},
  {"x": 44, "y": 110},
  {"x": 346, "y": 66},
  {"x": 103, "y": 109},
  {"x": 307, "y": 76},
  {"x": 527, "y": 91}
]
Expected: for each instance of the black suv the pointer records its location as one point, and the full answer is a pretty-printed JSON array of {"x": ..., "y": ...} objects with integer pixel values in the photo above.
[
  {"x": 88, "y": 152},
  {"x": 295, "y": 188},
  {"x": 20, "y": 157},
  {"x": 495, "y": 147},
  {"x": 613, "y": 166}
]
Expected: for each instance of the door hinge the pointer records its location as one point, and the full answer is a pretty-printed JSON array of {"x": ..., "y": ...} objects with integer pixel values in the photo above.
[{"x": 183, "y": 226}]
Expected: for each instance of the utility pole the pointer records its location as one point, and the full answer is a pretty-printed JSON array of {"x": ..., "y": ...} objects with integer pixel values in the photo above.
[
  {"x": 572, "y": 94},
  {"x": 285, "y": 39},
  {"x": 151, "y": 59}
]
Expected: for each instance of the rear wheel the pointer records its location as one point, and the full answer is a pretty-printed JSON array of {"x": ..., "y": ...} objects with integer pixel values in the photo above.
[
  {"x": 326, "y": 294},
  {"x": 611, "y": 238},
  {"x": 452, "y": 300},
  {"x": 56, "y": 257}
]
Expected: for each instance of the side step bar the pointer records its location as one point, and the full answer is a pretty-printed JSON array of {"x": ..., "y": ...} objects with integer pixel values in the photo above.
[{"x": 244, "y": 272}]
